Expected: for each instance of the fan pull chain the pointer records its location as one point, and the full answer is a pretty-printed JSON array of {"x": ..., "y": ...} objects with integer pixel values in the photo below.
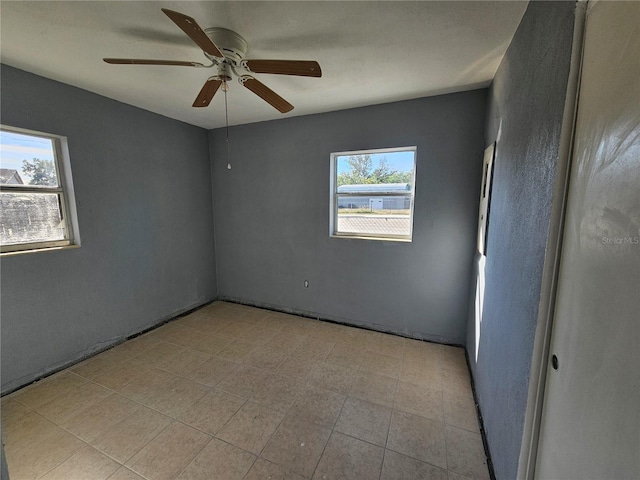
[{"x": 226, "y": 119}]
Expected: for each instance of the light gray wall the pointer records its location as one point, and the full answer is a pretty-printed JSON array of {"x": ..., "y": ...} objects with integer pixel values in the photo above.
[
  {"x": 272, "y": 217},
  {"x": 143, "y": 194},
  {"x": 525, "y": 112}
]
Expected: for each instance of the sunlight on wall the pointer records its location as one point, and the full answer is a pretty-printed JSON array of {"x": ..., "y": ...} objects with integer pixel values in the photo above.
[{"x": 479, "y": 300}]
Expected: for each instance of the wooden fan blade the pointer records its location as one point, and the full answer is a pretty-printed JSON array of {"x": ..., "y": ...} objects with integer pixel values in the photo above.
[
  {"x": 195, "y": 33},
  {"x": 141, "y": 61},
  {"x": 302, "y": 68},
  {"x": 268, "y": 95},
  {"x": 209, "y": 89}
]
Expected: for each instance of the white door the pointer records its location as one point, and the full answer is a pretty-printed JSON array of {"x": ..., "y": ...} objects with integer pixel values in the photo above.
[
  {"x": 375, "y": 204},
  {"x": 590, "y": 425}
]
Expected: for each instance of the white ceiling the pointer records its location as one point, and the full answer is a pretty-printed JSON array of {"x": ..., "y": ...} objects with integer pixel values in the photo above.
[{"x": 370, "y": 51}]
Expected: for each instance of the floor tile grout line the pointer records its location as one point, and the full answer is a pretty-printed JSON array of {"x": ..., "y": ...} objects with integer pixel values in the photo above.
[
  {"x": 324, "y": 448},
  {"x": 128, "y": 469},
  {"x": 256, "y": 457},
  {"x": 134, "y": 454},
  {"x": 60, "y": 463},
  {"x": 446, "y": 448},
  {"x": 362, "y": 440},
  {"x": 393, "y": 408},
  {"x": 417, "y": 459},
  {"x": 212, "y": 435},
  {"x": 193, "y": 459},
  {"x": 384, "y": 458},
  {"x": 271, "y": 436}
]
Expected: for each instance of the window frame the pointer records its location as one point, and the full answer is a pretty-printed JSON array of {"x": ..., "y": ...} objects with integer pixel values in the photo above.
[
  {"x": 64, "y": 191},
  {"x": 333, "y": 189}
]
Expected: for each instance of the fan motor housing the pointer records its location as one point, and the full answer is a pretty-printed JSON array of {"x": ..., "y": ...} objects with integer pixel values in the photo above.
[{"x": 233, "y": 45}]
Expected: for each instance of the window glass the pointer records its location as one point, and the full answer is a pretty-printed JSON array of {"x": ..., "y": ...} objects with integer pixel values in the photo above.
[
  {"x": 372, "y": 193},
  {"x": 30, "y": 218},
  {"x": 27, "y": 160}
]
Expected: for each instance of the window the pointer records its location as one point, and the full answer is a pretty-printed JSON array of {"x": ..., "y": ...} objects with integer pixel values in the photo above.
[
  {"x": 36, "y": 195},
  {"x": 372, "y": 193}
]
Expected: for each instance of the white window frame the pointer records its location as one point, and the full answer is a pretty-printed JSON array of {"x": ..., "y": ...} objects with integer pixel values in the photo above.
[
  {"x": 64, "y": 190},
  {"x": 333, "y": 220}
]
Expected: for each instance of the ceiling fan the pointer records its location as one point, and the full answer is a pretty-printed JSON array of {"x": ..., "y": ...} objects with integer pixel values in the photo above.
[{"x": 225, "y": 49}]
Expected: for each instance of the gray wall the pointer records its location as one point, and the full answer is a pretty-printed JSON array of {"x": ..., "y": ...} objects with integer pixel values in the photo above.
[
  {"x": 143, "y": 194},
  {"x": 4, "y": 470},
  {"x": 525, "y": 112},
  {"x": 272, "y": 217}
]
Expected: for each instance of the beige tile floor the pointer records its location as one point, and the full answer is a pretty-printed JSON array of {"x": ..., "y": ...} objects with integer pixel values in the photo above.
[{"x": 233, "y": 392}]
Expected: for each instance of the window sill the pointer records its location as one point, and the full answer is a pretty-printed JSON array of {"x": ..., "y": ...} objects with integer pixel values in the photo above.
[
  {"x": 378, "y": 239},
  {"x": 37, "y": 250}
]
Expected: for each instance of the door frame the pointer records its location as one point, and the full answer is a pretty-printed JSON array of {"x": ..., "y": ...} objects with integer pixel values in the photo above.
[{"x": 551, "y": 267}]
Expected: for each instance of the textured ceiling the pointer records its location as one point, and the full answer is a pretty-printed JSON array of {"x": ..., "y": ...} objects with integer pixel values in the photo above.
[{"x": 370, "y": 52}]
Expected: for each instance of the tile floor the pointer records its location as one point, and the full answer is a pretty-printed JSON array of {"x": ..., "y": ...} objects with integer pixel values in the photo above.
[{"x": 233, "y": 392}]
